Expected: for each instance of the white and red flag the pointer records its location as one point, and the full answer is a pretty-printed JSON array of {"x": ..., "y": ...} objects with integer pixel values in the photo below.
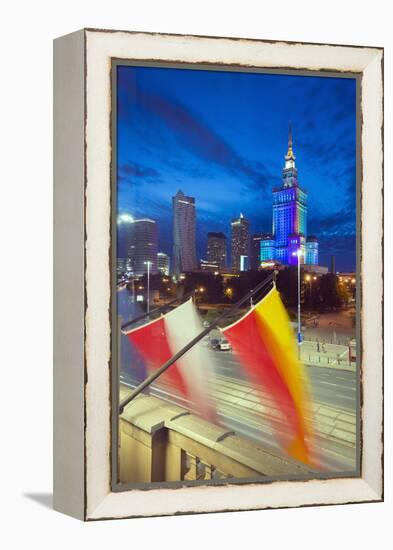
[{"x": 159, "y": 340}]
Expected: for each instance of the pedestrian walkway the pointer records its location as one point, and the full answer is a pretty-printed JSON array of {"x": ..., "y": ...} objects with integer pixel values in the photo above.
[
  {"x": 331, "y": 364},
  {"x": 321, "y": 354}
]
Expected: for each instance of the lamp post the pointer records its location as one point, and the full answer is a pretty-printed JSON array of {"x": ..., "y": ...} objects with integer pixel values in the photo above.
[
  {"x": 228, "y": 292},
  {"x": 298, "y": 253},
  {"x": 148, "y": 263},
  {"x": 308, "y": 279}
]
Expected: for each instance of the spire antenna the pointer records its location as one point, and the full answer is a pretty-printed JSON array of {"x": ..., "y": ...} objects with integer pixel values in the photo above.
[{"x": 290, "y": 156}]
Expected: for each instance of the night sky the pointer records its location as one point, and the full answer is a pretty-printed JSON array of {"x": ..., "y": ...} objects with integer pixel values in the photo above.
[{"x": 221, "y": 137}]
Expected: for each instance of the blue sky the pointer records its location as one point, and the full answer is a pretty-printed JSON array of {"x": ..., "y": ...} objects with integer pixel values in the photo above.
[{"x": 221, "y": 137}]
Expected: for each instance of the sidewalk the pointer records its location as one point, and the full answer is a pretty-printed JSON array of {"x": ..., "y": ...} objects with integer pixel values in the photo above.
[
  {"x": 334, "y": 356},
  {"x": 350, "y": 367}
]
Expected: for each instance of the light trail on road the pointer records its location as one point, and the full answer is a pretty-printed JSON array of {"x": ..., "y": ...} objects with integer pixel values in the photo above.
[{"x": 250, "y": 411}]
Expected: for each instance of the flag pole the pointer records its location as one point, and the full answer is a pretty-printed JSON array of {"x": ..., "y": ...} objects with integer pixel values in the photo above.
[
  {"x": 155, "y": 310},
  {"x": 271, "y": 278}
]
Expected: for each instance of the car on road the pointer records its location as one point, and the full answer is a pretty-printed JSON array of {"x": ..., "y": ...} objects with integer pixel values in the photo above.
[{"x": 224, "y": 345}]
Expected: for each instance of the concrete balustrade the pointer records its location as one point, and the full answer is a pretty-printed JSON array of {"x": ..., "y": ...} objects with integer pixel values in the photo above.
[{"x": 159, "y": 441}]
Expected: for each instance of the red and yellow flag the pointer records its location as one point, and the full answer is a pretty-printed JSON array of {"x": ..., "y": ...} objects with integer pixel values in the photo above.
[{"x": 264, "y": 341}]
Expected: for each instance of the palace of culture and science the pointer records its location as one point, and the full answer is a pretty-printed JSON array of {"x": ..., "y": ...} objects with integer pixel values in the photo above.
[{"x": 289, "y": 220}]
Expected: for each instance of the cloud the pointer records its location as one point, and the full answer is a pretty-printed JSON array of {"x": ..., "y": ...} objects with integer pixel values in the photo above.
[
  {"x": 338, "y": 222},
  {"x": 201, "y": 140},
  {"x": 138, "y": 171}
]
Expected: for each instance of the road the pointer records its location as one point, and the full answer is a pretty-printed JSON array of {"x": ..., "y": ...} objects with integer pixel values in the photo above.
[{"x": 250, "y": 411}]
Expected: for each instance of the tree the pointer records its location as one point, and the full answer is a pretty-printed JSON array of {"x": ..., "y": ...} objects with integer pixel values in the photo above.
[
  {"x": 207, "y": 286},
  {"x": 287, "y": 285},
  {"x": 329, "y": 292},
  {"x": 344, "y": 293},
  {"x": 246, "y": 281}
]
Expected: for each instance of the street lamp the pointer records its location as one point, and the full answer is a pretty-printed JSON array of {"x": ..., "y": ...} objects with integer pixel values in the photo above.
[
  {"x": 308, "y": 279},
  {"x": 148, "y": 263},
  {"x": 298, "y": 253},
  {"x": 229, "y": 292}
]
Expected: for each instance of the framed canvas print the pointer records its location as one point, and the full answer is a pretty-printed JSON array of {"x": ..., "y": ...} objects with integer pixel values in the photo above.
[{"x": 218, "y": 274}]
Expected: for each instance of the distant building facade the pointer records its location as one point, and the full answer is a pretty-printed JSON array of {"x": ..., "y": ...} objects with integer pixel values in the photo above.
[
  {"x": 239, "y": 242},
  {"x": 312, "y": 249},
  {"x": 124, "y": 234},
  {"x": 217, "y": 249},
  {"x": 255, "y": 251},
  {"x": 206, "y": 265},
  {"x": 163, "y": 263},
  {"x": 143, "y": 246},
  {"x": 267, "y": 248},
  {"x": 244, "y": 262},
  {"x": 184, "y": 240}
]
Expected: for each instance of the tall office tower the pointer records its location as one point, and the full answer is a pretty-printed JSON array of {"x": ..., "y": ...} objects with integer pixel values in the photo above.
[
  {"x": 143, "y": 246},
  {"x": 312, "y": 246},
  {"x": 163, "y": 263},
  {"x": 217, "y": 249},
  {"x": 184, "y": 241},
  {"x": 289, "y": 211},
  {"x": 333, "y": 264},
  {"x": 124, "y": 231},
  {"x": 239, "y": 242}
]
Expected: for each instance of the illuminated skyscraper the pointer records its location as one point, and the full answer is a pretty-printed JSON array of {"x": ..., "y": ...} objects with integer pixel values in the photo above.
[
  {"x": 217, "y": 249},
  {"x": 124, "y": 234},
  {"x": 290, "y": 216},
  {"x": 184, "y": 244},
  {"x": 143, "y": 246},
  {"x": 239, "y": 243},
  {"x": 163, "y": 263}
]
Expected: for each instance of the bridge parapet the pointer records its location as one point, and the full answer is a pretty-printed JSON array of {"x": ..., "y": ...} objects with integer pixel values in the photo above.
[{"x": 159, "y": 441}]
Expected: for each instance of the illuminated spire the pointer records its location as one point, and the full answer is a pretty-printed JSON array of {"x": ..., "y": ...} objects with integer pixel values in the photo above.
[{"x": 290, "y": 154}]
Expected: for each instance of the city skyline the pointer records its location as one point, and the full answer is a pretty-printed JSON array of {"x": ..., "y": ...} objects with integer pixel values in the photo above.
[
  {"x": 231, "y": 166},
  {"x": 289, "y": 234}
]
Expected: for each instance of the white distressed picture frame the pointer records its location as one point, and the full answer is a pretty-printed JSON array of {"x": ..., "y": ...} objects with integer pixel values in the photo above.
[{"x": 82, "y": 207}]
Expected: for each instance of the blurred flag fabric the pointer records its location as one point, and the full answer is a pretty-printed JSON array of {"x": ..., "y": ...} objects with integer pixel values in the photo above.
[
  {"x": 265, "y": 344},
  {"x": 131, "y": 364},
  {"x": 159, "y": 340}
]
